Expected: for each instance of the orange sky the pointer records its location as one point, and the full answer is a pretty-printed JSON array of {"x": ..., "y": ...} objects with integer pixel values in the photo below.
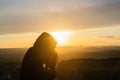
[
  {"x": 90, "y": 37},
  {"x": 89, "y": 22}
]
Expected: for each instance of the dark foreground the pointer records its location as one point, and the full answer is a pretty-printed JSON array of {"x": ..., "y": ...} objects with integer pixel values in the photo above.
[
  {"x": 90, "y": 69},
  {"x": 75, "y": 69}
]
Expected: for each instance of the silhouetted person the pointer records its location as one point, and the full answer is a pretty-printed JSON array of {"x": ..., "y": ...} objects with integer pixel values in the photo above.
[{"x": 39, "y": 62}]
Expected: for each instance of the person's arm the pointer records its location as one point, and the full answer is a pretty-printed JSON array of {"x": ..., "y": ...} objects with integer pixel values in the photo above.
[{"x": 52, "y": 60}]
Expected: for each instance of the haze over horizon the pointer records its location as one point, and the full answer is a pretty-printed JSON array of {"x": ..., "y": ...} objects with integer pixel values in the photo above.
[{"x": 89, "y": 22}]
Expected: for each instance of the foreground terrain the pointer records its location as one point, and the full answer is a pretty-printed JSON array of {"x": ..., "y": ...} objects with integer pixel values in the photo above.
[
  {"x": 94, "y": 64},
  {"x": 75, "y": 69}
]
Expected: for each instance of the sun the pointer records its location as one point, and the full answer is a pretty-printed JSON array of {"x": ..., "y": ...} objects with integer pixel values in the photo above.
[{"x": 60, "y": 36}]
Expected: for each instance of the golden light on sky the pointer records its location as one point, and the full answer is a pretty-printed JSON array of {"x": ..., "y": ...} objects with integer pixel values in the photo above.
[
  {"x": 61, "y": 37},
  {"x": 92, "y": 22}
]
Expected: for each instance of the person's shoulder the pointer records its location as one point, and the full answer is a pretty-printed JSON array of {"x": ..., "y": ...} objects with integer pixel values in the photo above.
[
  {"x": 55, "y": 53},
  {"x": 30, "y": 50}
]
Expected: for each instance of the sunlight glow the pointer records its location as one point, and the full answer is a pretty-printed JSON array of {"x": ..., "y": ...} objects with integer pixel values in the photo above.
[{"x": 61, "y": 37}]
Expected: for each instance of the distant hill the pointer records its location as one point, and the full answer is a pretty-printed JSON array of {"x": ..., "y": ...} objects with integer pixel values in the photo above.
[
  {"x": 64, "y": 53},
  {"x": 12, "y": 54}
]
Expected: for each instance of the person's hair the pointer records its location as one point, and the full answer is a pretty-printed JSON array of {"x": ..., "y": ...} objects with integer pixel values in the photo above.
[{"x": 45, "y": 40}]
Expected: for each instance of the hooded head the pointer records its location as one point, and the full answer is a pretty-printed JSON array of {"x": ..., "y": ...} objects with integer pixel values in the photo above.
[{"x": 45, "y": 40}]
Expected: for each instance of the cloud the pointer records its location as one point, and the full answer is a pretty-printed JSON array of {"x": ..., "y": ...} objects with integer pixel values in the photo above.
[
  {"x": 111, "y": 37},
  {"x": 19, "y": 16},
  {"x": 97, "y": 16},
  {"x": 108, "y": 37}
]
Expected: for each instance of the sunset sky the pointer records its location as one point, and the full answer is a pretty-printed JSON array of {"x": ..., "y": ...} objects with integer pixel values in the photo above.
[{"x": 86, "y": 22}]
